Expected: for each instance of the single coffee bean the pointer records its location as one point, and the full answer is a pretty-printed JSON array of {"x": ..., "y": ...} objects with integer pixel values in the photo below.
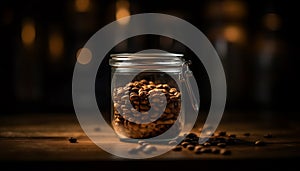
[
  {"x": 190, "y": 147},
  {"x": 185, "y": 144},
  {"x": 198, "y": 147},
  {"x": 221, "y": 133},
  {"x": 149, "y": 149},
  {"x": 192, "y": 136},
  {"x": 141, "y": 142},
  {"x": 221, "y": 145},
  {"x": 206, "y": 144},
  {"x": 73, "y": 140},
  {"x": 259, "y": 143},
  {"x": 225, "y": 152},
  {"x": 215, "y": 150},
  {"x": 205, "y": 150},
  {"x": 187, "y": 140},
  {"x": 177, "y": 148}
]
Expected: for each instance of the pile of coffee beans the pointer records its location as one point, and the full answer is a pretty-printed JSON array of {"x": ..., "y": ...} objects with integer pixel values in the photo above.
[
  {"x": 132, "y": 114},
  {"x": 216, "y": 144}
]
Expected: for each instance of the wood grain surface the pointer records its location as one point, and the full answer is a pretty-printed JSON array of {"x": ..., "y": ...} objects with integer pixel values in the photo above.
[{"x": 41, "y": 141}]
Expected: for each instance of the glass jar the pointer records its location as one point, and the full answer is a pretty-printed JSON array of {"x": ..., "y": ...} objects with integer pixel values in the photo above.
[{"x": 147, "y": 95}]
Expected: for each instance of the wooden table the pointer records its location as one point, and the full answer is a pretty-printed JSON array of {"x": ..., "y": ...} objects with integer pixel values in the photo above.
[{"x": 40, "y": 141}]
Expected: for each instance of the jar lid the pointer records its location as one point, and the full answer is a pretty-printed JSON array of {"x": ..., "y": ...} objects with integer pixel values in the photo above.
[{"x": 146, "y": 59}]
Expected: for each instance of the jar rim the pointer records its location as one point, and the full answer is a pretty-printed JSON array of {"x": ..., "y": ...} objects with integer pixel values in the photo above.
[
  {"x": 146, "y": 59},
  {"x": 151, "y": 55}
]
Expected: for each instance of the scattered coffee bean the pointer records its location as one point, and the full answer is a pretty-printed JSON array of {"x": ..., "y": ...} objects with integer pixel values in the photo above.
[
  {"x": 140, "y": 147},
  {"x": 177, "y": 148},
  {"x": 198, "y": 147},
  {"x": 221, "y": 140},
  {"x": 268, "y": 136},
  {"x": 185, "y": 144},
  {"x": 187, "y": 140},
  {"x": 215, "y": 150},
  {"x": 207, "y": 144},
  {"x": 205, "y": 150},
  {"x": 73, "y": 140},
  {"x": 259, "y": 143},
  {"x": 149, "y": 149},
  {"x": 225, "y": 152},
  {"x": 192, "y": 136},
  {"x": 221, "y": 133},
  {"x": 141, "y": 142},
  {"x": 190, "y": 147},
  {"x": 221, "y": 145}
]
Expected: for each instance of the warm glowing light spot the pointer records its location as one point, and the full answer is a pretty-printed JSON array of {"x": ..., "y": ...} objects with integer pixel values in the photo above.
[
  {"x": 82, "y": 5},
  {"x": 84, "y": 56},
  {"x": 233, "y": 34},
  {"x": 28, "y": 33},
  {"x": 56, "y": 45},
  {"x": 272, "y": 21},
  {"x": 123, "y": 12}
]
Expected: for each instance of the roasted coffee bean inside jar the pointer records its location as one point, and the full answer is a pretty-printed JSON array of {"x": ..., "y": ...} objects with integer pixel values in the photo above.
[{"x": 143, "y": 109}]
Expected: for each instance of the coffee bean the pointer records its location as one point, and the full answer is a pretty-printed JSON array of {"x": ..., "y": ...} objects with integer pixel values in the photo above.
[
  {"x": 206, "y": 144},
  {"x": 221, "y": 133},
  {"x": 172, "y": 90},
  {"x": 73, "y": 140},
  {"x": 187, "y": 140},
  {"x": 149, "y": 149},
  {"x": 198, "y": 147},
  {"x": 131, "y": 104},
  {"x": 141, "y": 142},
  {"x": 140, "y": 147},
  {"x": 259, "y": 143},
  {"x": 185, "y": 144},
  {"x": 192, "y": 136},
  {"x": 190, "y": 147},
  {"x": 205, "y": 150},
  {"x": 177, "y": 148},
  {"x": 221, "y": 145},
  {"x": 225, "y": 152},
  {"x": 215, "y": 150}
]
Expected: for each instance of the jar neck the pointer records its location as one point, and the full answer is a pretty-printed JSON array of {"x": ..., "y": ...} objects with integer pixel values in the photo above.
[{"x": 152, "y": 61}]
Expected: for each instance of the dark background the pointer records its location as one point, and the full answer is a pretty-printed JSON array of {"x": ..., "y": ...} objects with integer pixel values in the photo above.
[{"x": 257, "y": 42}]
